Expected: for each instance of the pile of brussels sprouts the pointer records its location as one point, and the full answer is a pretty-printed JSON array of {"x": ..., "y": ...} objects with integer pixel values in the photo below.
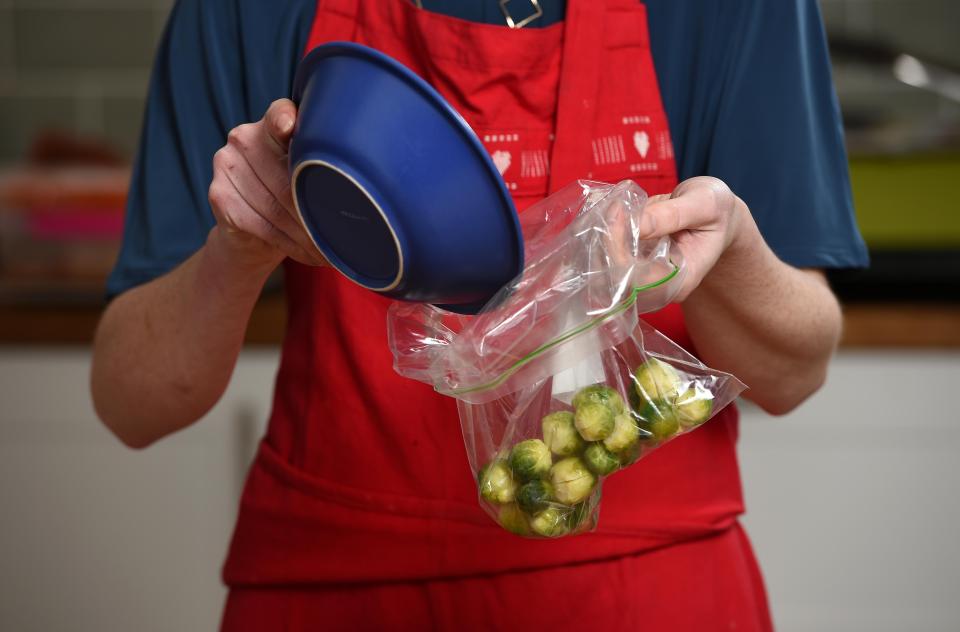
[{"x": 544, "y": 486}]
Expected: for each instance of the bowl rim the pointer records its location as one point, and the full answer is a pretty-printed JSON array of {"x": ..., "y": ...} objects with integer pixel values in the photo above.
[{"x": 434, "y": 98}]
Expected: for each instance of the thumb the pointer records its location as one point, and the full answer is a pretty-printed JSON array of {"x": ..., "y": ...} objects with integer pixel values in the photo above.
[{"x": 279, "y": 121}]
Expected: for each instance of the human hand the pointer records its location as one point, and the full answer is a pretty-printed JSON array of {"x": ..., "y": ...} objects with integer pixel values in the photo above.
[
  {"x": 705, "y": 219},
  {"x": 251, "y": 197}
]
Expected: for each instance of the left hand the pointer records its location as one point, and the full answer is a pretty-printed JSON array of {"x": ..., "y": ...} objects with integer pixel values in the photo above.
[{"x": 705, "y": 219}]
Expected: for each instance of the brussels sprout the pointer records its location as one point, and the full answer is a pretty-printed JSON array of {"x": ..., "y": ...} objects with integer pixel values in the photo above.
[
  {"x": 572, "y": 481},
  {"x": 625, "y": 433},
  {"x": 534, "y": 496},
  {"x": 600, "y": 460},
  {"x": 694, "y": 407},
  {"x": 659, "y": 419},
  {"x": 550, "y": 523},
  {"x": 600, "y": 394},
  {"x": 513, "y": 519},
  {"x": 655, "y": 379},
  {"x": 530, "y": 459},
  {"x": 594, "y": 421},
  {"x": 631, "y": 455},
  {"x": 560, "y": 433},
  {"x": 582, "y": 516},
  {"x": 497, "y": 483}
]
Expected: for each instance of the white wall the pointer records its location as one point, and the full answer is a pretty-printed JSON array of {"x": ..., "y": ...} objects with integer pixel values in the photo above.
[
  {"x": 853, "y": 500},
  {"x": 95, "y": 537}
]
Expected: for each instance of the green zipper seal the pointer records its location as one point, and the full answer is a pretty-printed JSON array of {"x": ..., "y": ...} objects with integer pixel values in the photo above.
[{"x": 614, "y": 311}]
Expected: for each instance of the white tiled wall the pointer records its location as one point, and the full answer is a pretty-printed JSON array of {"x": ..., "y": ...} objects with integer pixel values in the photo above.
[{"x": 78, "y": 66}]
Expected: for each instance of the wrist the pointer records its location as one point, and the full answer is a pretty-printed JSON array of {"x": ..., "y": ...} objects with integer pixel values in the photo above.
[{"x": 238, "y": 263}]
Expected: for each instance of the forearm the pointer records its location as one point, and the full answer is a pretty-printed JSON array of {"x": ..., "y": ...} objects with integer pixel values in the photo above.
[
  {"x": 770, "y": 324},
  {"x": 164, "y": 351}
]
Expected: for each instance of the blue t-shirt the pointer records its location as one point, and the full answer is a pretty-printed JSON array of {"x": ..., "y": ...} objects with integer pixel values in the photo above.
[{"x": 746, "y": 86}]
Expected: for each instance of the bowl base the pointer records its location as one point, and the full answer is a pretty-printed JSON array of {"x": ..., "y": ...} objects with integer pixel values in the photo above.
[{"x": 348, "y": 225}]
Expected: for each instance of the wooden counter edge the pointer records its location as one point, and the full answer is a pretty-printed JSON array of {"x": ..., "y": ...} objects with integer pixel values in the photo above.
[
  {"x": 867, "y": 325},
  {"x": 49, "y": 325},
  {"x": 872, "y": 325}
]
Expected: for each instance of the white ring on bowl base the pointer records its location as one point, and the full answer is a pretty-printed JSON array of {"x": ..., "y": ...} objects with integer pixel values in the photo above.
[{"x": 349, "y": 274}]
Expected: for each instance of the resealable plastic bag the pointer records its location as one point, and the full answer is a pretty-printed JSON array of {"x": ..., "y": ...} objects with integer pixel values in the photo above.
[{"x": 559, "y": 382}]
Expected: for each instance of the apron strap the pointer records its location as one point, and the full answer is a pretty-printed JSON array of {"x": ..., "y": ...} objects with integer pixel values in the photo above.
[{"x": 577, "y": 94}]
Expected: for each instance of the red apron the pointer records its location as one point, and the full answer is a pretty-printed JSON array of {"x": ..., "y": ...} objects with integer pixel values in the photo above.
[{"x": 362, "y": 478}]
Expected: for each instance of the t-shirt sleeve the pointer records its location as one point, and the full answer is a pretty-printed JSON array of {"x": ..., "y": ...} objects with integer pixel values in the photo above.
[
  {"x": 778, "y": 136},
  {"x": 220, "y": 63}
]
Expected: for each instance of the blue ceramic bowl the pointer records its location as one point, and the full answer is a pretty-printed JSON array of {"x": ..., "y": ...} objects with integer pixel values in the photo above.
[{"x": 394, "y": 187}]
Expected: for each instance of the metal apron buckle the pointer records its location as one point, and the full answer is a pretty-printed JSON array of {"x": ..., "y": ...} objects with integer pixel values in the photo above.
[
  {"x": 537, "y": 12},
  {"x": 512, "y": 23}
]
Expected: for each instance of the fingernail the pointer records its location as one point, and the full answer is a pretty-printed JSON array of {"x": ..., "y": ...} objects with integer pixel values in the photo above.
[{"x": 286, "y": 123}]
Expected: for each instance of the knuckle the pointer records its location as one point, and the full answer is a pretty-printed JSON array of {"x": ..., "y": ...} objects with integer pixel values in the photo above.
[
  {"x": 219, "y": 159},
  {"x": 225, "y": 160},
  {"x": 217, "y": 194},
  {"x": 722, "y": 197},
  {"x": 241, "y": 136},
  {"x": 717, "y": 186}
]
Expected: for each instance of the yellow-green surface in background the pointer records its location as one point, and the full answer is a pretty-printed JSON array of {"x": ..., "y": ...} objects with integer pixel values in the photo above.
[{"x": 908, "y": 203}]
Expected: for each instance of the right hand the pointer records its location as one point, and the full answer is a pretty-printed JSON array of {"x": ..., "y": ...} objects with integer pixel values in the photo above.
[{"x": 251, "y": 197}]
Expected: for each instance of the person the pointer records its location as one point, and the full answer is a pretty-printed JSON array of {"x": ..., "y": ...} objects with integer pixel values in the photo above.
[{"x": 360, "y": 510}]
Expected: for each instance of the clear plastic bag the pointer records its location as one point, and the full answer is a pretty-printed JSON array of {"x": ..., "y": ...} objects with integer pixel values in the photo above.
[{"x": 558, "y": 381}]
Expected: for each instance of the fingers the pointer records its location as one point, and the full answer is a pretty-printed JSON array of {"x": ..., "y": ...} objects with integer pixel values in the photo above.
[
  {"x": 262, "y": 178},
  {"x": 265, "y": 180},
  {"x": 619, "y": 236},
  {"x": 697, "y": 217},
  {"x": 278, "y": 124},
  {"x": 697, "y": 204},
  {"x": 687, "y": 212},
  {"x": 266, "y": 204},
  {"x": 267, "y": 161},
  {"x": 242, "y": 203},
  {"x": 699, "y": 254},
  {"x": 255, "y": 180},
  {"x": 237, "y": 216}
]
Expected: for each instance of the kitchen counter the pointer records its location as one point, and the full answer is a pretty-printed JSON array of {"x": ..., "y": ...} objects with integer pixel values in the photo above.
[
  {"x": 74, "y": 324},
  {"x": 922, "y": 326},
  {"x": 881, "y": 325}
]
